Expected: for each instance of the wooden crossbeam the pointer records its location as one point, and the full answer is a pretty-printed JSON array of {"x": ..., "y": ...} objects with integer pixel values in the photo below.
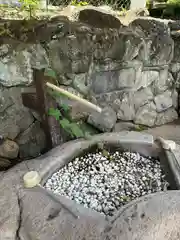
[{"x": 30, "y": 100}]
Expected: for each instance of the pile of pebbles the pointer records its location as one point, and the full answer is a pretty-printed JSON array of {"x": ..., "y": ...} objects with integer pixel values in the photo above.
[{"x": 105, "y": 182}]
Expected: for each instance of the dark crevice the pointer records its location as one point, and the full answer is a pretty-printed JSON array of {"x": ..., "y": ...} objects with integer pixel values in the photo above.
[{"x": 20, "y": 219}]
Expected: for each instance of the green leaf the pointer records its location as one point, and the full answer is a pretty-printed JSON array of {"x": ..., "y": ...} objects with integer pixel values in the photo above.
[
  {"x": 58, "y": 94},
  {"x": 105, "y": 153},
  {"x": 76, "y": 130},
  {"x": 64, "y": 123},
  {"x": 55, "y": 113},
  {"x": 65, "y": 107},
  {"x": 50, "y": 73}
]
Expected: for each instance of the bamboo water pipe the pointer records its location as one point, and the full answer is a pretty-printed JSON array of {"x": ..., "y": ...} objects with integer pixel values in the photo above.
[{"x": 74, "y": 97}]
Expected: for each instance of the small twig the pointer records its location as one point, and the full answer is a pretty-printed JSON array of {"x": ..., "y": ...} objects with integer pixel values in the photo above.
[{"x": 74, "y": 97}]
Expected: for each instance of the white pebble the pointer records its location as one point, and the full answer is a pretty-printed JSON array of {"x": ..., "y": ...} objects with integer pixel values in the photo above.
[{"x": 106, "y": 183}]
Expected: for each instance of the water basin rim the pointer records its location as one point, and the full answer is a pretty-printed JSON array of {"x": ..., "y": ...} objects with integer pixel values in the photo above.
[{"x": 130, "y": 142}]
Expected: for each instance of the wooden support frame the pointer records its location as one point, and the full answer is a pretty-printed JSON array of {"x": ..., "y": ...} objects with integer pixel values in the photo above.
[{"x": 40, "y": 102}]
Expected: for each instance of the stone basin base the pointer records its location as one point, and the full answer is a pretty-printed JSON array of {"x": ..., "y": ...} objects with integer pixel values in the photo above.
[
  {"x": 144, "y": 144},
  {"x": 32, "y": 214},
  {"x": 106, "y": 176}
]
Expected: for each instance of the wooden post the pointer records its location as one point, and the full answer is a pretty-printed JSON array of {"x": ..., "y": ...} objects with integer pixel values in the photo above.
[
  {"x": 38, "y": 76},
  {"x": 40, "y": 102}
]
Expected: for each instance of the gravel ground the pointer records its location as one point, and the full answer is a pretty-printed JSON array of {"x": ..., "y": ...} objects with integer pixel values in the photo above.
[{"x": 106, "y": 181}]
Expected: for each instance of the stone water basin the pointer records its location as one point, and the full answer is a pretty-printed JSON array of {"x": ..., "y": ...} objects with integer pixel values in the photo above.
[{"x": 111, "y": 170}]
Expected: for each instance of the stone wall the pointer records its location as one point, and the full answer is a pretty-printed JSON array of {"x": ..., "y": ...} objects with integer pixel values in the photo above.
[
  {"x": 132, "y": 72},
  {"x": 20, "y": 129}
]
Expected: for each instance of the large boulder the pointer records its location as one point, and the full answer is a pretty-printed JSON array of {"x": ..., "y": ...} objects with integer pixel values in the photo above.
[
  {"x": 16, "y": 64},
  {"x": 31, "y": 142},
  {"x": 9, "y": 149},
  {"x": 15, "y": 118},
  {"x": 159, "y": 44},
  {"x": 163, "y": 101},
  {"x": 105, "y": 120},
  {"x": 166, "y": 116},
  {"x": 18, "y": 128},
  {"x": 98, "y": 17},
  {"x": 146, "y": 115}
]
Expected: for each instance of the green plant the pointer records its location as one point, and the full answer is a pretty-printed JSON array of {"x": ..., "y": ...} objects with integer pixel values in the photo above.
[
  {"x": 62, "y": 115},
  {"x": 140, "y": 128},
  {"x": 123, "y": 12},
  {"x": 50, "y": 73},
  {"x": 79, "y": 3},
  {"x": 149, "y": 4},
  {"x": 30, "y": 6},
  {"x": 69, "y": 126},
  {"x": 172, "y": 9},
  {"x": 173, "y": 2}
]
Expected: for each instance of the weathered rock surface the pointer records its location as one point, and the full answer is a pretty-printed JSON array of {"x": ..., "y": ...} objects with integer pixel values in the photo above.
[
  {"x": 88, "y": 226},
  {"x": 147, "y": 218},
  {"x": 31, "y": 214},
  {"x": 79, "y": 83},
  {"x": 132, "y": 69},
  {"x": 9, "y": 149},
  {"x": 5, "y": 99},
  {"x": 134, "y": 62},
  {"x": 142, "y": 97},
  {"x": 4, "y": 163},
  {"x": 14, "y": 120},
  {"x": 16, "y": 68},
  {"x": 164, "y": 81},
  {"x": 105, "y": 120},
  {"x": 31, "y": 142},
  {"x": 165, "y": 116},
  {"x": 146, "y": 115},
  {"x": 163, "y": 101},
  {"x": 99, "y": 18},
  {"x": 124, "y": 126},
  {"x": 159, "y": 44}
]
